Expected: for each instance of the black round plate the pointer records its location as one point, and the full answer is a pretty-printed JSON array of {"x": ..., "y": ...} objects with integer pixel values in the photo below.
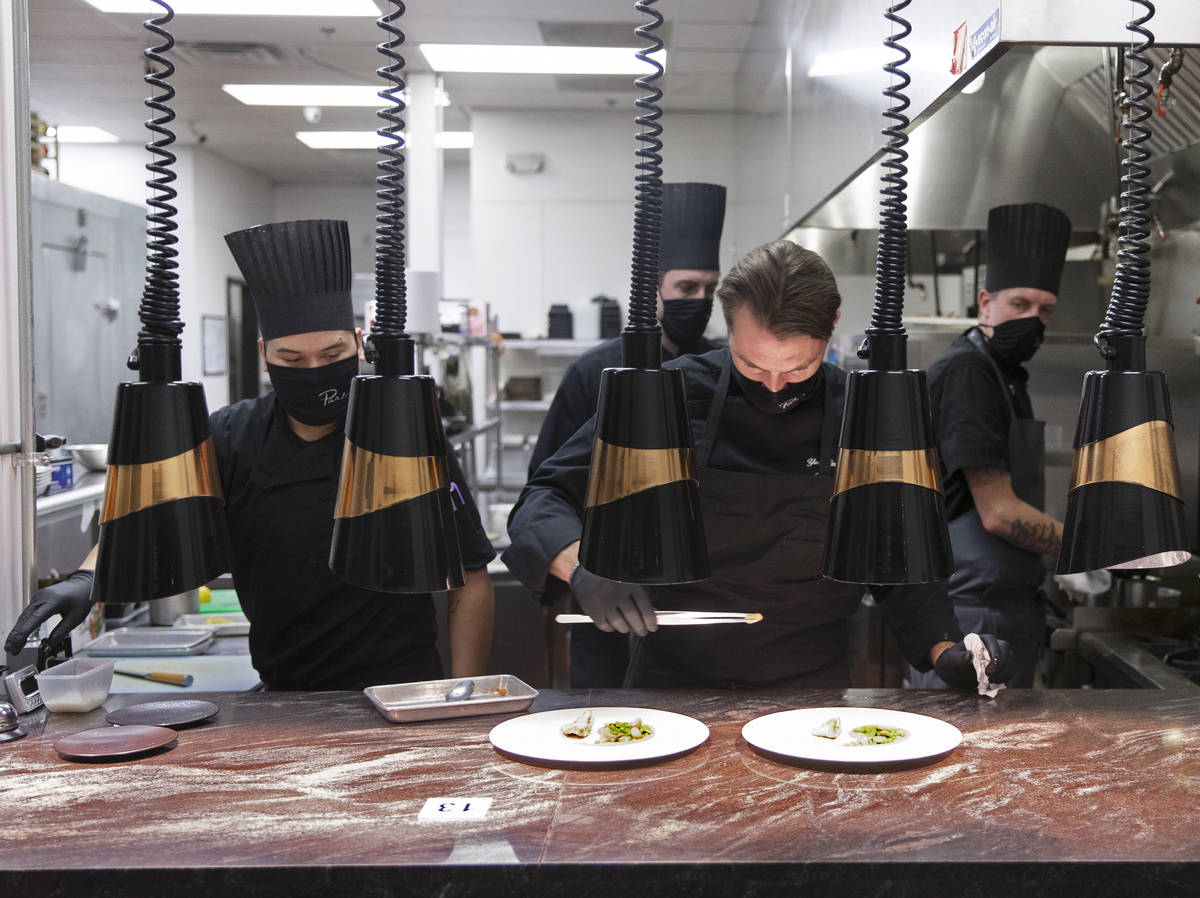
[{"x": 172, "y": 713}]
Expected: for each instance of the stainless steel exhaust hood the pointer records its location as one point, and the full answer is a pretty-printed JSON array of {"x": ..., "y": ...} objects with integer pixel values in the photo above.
[{"x": 1041, "y": 126}]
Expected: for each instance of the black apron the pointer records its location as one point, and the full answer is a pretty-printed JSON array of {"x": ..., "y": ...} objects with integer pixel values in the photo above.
[
  {"x": 995, "y": 587},
  {"x": 766, "y": 537}
]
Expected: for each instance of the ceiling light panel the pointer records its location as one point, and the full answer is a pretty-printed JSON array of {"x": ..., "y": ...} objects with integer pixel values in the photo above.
[
  {"x": 370, "y": 140},
  {"x": 331, "y": 8},
  {"x": 513, "y": 59},
  {"x": 317, "y": 95},
  {"x": 84, "y": 134}
]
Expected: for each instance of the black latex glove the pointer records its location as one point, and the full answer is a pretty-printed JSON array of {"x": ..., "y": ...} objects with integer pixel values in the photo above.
[
  {"x": 612, "y": 605},
  {"x": 955, "y": 667},
  {"x": 72, "y": 598}
]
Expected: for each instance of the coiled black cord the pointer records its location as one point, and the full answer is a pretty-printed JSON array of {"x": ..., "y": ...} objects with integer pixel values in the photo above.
[
  {"x": 893, "y": 223},
  {"x": 391, "y": 309},
  {"x": 647, "y": 210},
  {"x": 1131, "y": 284},
  {"x": 159, "y": 310}
]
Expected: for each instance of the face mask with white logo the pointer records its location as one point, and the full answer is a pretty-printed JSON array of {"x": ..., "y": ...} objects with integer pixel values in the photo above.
[{"x": 315, "y": 396}]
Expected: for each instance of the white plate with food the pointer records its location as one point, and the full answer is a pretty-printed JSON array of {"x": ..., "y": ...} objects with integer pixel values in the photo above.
[
  {"x": 852, "y": 736},
  {"x": 598, "y": 736}
]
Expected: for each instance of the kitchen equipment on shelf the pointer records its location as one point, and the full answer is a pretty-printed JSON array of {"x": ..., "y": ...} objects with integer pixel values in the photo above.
[
  {"x": 93, "y": 456},
  {"x": 10, "y": 728},
  {"x": 171, "y": 679},
  {"x": 165, "y": 611},
  {"x": 538, "y": 738},
  {"x": 426, "y": 700},
  {"x": 114, "y": 743},
  {"x": 174, "y": 713},
  {"x": 129, "y": 641},
  {"x": 75, "y": 686}
]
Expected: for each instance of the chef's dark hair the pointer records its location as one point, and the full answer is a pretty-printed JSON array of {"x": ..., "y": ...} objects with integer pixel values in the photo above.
[{"x": 789, "y": 290}]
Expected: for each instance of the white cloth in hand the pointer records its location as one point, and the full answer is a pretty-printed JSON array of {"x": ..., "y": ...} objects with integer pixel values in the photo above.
[
  {"x": 981, "y": 659},
  {"x": 1086, "y": 583}
]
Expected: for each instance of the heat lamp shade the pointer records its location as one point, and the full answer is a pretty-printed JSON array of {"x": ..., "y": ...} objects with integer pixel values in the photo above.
[
  {"x": 642, "y": 521},
  {"x": 162, "y": 528},
  {"x": 393, "y": 528},
  {"x": 887, "y": 520},
  {"x": 1125, "y": 505}
]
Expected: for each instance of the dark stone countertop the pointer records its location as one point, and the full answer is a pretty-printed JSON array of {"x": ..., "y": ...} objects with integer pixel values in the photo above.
[{"x": 1079, "y": 792}]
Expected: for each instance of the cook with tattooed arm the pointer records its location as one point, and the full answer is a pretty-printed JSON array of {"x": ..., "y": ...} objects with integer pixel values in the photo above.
[{"x": 991, "y": 446}]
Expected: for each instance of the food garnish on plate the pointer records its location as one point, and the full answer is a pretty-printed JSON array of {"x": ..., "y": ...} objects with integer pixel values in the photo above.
[
  {"x": 871, "y": 734},
  {"x": 580, "y": 727},
  {"x": 624, "y": 731},
  {"x": 830, "y": 729}
]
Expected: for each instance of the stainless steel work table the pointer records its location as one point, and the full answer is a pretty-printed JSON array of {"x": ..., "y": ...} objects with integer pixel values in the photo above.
[{"x": 1066, "y": 792}]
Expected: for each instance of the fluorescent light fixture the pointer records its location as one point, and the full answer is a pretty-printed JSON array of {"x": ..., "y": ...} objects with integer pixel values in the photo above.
[
  {"x": 512, "y": 59},
  {"x": 83, "y": 134},
  {"x": 246, "y": 7},
  {"x": 370, "y": 140},
  {"x": 317, "y": 95},
  {"x": 927, "y": 58}
]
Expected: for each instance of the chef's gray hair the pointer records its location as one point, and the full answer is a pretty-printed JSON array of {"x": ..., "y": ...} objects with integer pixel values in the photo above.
[{"x": 789, "y": 290}]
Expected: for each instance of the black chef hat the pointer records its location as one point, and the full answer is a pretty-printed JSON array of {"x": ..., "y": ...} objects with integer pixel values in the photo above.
[
  {"x": 1027, "y": 246},
  {"x": 298, "y": 273},
  {"x": 691, "y": 227}
]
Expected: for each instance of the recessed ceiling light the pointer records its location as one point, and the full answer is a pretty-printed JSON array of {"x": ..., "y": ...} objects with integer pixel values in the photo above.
[
  {"x": 316, "y": 95},
  {"x": 83, "y": 134},
  {"x": 927, "y": 58},
  {"x": 370, "y": 140},
  {"x": 331, "y": 8},
  {"x": 537, "y": 60}
]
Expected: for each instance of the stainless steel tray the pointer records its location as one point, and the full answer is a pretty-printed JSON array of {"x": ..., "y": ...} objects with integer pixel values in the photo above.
[
  {"x": 221, "y": 623},
  {"x": 426, "y": 700},
  {"x": 128, "y": 641}
]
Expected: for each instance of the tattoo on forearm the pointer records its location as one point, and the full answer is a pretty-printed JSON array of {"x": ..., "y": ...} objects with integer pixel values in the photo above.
[
  {"x": 1035, "y": 536},
  {"x": 453, "y": 601}
]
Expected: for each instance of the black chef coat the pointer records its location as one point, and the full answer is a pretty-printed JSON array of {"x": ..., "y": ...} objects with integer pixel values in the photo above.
[
  {"x": 578, "y": 394},
  {"x": 309, "y": 629},
  {"x": 548, "y": 516},
  {"x": 972, "y": 418}
]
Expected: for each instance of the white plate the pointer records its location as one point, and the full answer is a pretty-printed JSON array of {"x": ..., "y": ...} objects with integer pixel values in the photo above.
[
  {"x": 536, "y": 737},
  {"x": 790, "y": 734},
  {"x": 235, "y": 622}
]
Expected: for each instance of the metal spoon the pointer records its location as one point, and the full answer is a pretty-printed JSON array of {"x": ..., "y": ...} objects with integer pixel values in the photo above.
[{"x": 460, "y": 691}]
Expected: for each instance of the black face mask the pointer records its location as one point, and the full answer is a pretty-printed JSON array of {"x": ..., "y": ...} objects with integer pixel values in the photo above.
[
  {"x": 315, "y": 396},
  {"x": 684, "y": 321},
  {"x": 785, "y": 400},
  {"x": 1015, "y": 341}
]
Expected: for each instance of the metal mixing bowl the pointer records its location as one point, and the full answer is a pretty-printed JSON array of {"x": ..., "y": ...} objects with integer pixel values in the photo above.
[{"x": 93, "y": 456}]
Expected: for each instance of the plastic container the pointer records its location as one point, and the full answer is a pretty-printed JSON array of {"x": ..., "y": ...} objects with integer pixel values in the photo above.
[{"x": 77, "y": 685}]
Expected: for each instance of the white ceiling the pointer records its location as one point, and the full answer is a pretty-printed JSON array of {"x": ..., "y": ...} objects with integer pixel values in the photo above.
[{"x": 86, "y": 69}]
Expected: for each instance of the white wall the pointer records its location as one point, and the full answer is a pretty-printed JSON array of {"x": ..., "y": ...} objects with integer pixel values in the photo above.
[
  {"x": 215, "y": 197},
  {"x": 456, "y": 231},
  {"x": 353, "y": 202},
  {"x": 566, "y": 234}
]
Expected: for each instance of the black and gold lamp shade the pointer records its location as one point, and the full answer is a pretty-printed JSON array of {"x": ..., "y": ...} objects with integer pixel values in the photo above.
[
  {"x": 1125, "y": 505},
  {"x": 393, "y": 528},
  {"x": 162, "y": 527},
  {"x": 642, "y": 520},
  {"x": 887, "y": 521}
]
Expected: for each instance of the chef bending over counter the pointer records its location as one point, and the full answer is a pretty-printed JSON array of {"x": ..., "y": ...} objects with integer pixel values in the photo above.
[
  {"x": 279, "y": 457},
  {"x": 765, "y": 414}
]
